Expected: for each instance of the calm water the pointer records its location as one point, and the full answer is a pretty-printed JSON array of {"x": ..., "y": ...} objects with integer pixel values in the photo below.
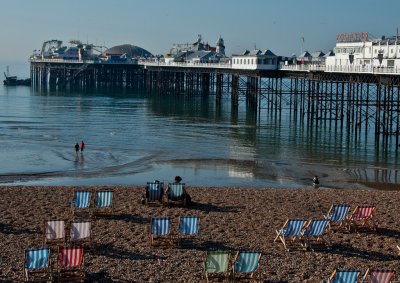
[{"x": 132, "y": 138}]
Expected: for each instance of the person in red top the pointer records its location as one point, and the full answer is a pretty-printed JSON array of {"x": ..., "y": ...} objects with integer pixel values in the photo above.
[{"x": 82, "y": 146}]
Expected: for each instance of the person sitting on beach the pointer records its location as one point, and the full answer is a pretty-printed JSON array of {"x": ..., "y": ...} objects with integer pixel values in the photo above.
[{"x": 186, "y": 196}]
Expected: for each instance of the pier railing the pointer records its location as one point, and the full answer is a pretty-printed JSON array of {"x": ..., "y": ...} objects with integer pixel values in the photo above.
[
  {"x": 186, "y": 64},
  {"x": 341, "y": 69}
]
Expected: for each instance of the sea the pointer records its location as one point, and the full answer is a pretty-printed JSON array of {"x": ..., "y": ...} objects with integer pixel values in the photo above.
[{"x": 135, "y": 137}]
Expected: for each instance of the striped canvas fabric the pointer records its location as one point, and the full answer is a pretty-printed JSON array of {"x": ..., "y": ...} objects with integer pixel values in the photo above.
[
  {"x": 155, "y": 191},
  {"x": 54, "y": 230},
  {"x": 381, "y": 276},
  {"x": 189, "y": 225},
  {"x": 70, "y": 257},
  {"x": 81, "y": 199},
  {"x": 247, "y": 262},
  {"x": 175, "y": 190},
  {"x": 363, "y": 212},
  {"x": 293, "y": 227},
  {"x": 317, "y": 227},
  {"x": 217, "y": 262},
  {"x": 160, "y": 226},
  {"x": 346, "y": 276},
  {"x": 37, "y": 258},
  {"x": 80, "y": 230},
  {"x": 103, "y": 198},
  {"x": 338, "y": 212}
]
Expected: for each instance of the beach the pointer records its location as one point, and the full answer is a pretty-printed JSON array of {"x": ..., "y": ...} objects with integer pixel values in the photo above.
[{"x": 230, "y": 219}]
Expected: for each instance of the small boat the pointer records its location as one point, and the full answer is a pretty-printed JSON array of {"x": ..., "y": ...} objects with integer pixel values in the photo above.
[{"x": 13, "y": 80}]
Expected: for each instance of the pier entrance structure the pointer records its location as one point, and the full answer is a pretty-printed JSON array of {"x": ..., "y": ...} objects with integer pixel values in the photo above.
[{"x": 354, "y": 101}]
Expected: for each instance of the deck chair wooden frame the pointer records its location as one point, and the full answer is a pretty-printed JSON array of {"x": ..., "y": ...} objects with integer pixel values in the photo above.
[
  {"x": 362, "y": 217},
  {"x": 37, "y": 265},
  {"x": 154, "y": 193},
  {"x": 103, "y": 202},
  {"x": 160, "y": 231},
  {"x": 189, "y": 226},
  {"x": 337, "y": 215},
  {"x": 316, "y": 231},
  {"x": 70, "y": 264},
  {"x": 346, "y": 276},
  {"x": 217, "y": 265},
  {"x": 246, "y": 266},
  {"x": 82, "y": 203},
  {"x": 378, "y": 276},
  {"x": 290, "y": 231},
  {"x": 81, "y": 233},
  {"x": 54, "y": 232},
  {"x": 176, "y": 193}
]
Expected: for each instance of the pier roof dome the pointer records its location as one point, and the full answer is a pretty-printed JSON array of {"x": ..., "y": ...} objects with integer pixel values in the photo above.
[{"x": 130, "y": 50}]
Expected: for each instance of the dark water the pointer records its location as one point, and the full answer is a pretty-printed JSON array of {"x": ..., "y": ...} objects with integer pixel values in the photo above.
[{"x": 132, "y": 138}]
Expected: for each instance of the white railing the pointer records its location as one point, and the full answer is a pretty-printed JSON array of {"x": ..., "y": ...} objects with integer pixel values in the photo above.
[
  {"x": 340, "y": 69},
  {"x": 302, "y": 68},
  {"x": 186, "y": 64}
]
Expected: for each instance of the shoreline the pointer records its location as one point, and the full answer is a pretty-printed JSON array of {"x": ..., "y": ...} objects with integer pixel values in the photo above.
[{"x": 230, "y": 219}]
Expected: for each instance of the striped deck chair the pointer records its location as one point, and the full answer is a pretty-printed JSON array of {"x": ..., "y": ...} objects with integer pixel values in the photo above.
[
  {"x": 37, "y": 265},
  {"x": 315, "y": 230},
  {"x": 337, "y": 214},
  {"x": 378, "y": 276},
  {"x": 81, "y": 233},
  {"x": 54, "y": 232},
  {"x": 246, "y": 265},
  {"x": 362, "y": 216},
  {"x": 154, "y": 192},
  {"x": 188, "y": 227},
  {"x": 103, "y": 203},
  {"x": 70, "y": 264},
  {"x": 216, "y": 265},
  {"x": 81, "y": 201},
  {"x": 160, "y": 229},
  {"x": 291, "y": 230},
  {"x": 344, "y": 276},
  {"x": 398, "y": 247},
  {"x": 176, "y": 193}
]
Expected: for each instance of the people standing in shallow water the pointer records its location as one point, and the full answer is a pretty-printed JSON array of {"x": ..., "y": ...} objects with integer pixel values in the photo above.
[
  {"x": 315, "y": 181},
  {"x": 82, "y": 146},
  {"x": 76, "y": 147}
]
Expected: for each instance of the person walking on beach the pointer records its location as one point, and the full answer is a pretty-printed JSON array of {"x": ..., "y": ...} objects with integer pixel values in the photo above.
[
  {"x": 82, "y": 146},
  {"x": 76, "y": 147}
]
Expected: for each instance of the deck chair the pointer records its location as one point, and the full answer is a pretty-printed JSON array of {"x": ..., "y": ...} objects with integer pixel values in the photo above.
[
  {"x": 176, "y": 193},
  {"x": 315, "y": 230},
  {"x": 161, "y": 230},
  {"x": 246, "y": 265},
  {"x": 154, "y": 192},
  {"x": 337, "y": 214},
  {"x": 378, "y": 276},
  {"x": 362, "y": 216},
  {"x": 37, "y": 265},
  {"x": 291, "y": 230},
  {"x": 81, "y": 202},
  {"x": 103, "y": 202},
  {"x": 70, "y": 264},
  {"x": 188, "y": 227},
  {"x": 54, "y": 232},
  {"x": 216, "y": 265},
  {"x": 80, "y": 233},
  {"x": 398, "y": 247},
  {"x": 344, "y": 276}
]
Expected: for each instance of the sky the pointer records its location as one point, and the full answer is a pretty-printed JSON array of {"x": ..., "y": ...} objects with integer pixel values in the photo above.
[{"x": 278, "y": 25}]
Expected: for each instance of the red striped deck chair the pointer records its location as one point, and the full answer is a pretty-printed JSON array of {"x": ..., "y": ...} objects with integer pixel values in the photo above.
[
  {"x": 37, "y": 265},
  {"x": 378, "y": 276},
  {"x": 70, "y": 264},
  {"x": 54, "y": 232},
  {"x": 80, "y": 233},
  {"x": 362, "y": 216}
]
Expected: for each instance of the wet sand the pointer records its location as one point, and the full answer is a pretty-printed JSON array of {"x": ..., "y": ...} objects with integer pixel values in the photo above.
[{"x": 231, "y": 219}]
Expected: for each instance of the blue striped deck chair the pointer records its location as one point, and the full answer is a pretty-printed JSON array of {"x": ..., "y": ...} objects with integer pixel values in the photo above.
[
  {"x": 188, "y": 227},
  {"x": 176, "y": 193},
  {"x": 37, "y": 265},
  {"x": 217, "y": 264},
  {"x": 103, "y": 202},
  {"x": 160, "y": 229},
  {"x": 81, "y": 201},
  {"x": 246, "y": 265},
  {"x": 344, "y": 276},
  {"x": 337, "y": 214},
  {"x": 315, "y": 230},
  {"x": 291, "y": 230},
  {"x": 154, "y": 192}
]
